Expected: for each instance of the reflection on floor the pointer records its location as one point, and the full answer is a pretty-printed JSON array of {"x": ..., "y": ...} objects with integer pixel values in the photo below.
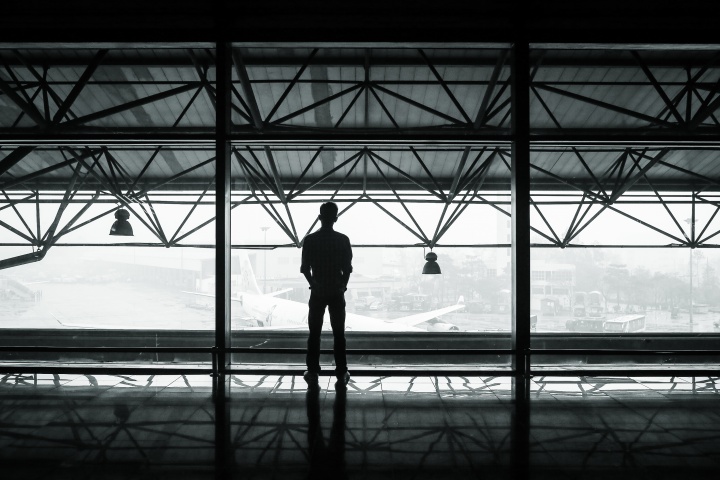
[{"x": 91, "y": 426}]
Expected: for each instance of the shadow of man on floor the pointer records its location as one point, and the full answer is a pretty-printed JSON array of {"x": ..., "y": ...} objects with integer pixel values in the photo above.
[{"x": 327, "y": 461}]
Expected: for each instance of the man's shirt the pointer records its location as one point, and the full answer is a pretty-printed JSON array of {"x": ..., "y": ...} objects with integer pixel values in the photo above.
[{"x": 327, "y": 255}]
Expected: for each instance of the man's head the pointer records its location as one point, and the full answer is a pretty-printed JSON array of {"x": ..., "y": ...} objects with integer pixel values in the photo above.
[{"x": 328, "y": 213}]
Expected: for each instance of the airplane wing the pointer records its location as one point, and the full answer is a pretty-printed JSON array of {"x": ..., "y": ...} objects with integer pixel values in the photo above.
[
  {"x": 279, "y": 292},
  {"x": 237, "y": 299},
  {"x": 210, "y": 295},
  {"x": 413, "y": 320}
]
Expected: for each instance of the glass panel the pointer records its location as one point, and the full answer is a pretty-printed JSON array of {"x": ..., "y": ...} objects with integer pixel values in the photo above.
[
  {"x": 624, "y": 252},
  {"x": 89, "y": 288},
  {"x": 390, "y": 304},
  {"x": 65, "y": 281}
]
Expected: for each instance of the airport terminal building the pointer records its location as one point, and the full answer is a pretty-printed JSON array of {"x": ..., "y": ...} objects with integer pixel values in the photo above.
[{"x": 162, "y": 163}]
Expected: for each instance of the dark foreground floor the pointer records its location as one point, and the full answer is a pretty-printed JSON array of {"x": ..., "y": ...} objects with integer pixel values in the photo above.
[{"x": 118, "y": 427}]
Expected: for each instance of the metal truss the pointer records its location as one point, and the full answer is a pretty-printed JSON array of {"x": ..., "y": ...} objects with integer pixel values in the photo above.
[
  {"x": 627, "y": 179},
  {"x": 121, "y": 178},
  {"x": 38, "y": 93},
  {"x": 648, "y": 96},
  {"x": 288, "y": 92},
  {"x": 374, "y": 95},
  {"x": 101, "y": 182},
  {"x": 362, "y": 176},
  {"x": 134, "y": 93}
]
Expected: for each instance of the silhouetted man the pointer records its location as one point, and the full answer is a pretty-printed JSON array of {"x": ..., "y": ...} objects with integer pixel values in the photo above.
[{"x": 326, "y": 264}]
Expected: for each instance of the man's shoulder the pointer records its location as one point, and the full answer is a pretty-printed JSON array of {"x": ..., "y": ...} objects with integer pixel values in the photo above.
[
  {"x": 311, "y": 236},
  {"x": 326, "y": 234},
  {"x": 341, "y": 235}
]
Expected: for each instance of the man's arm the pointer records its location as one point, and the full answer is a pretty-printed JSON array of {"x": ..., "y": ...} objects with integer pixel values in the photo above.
[
  {"x": 305, "y": 265},
  {"x": 347, "y": 264}
]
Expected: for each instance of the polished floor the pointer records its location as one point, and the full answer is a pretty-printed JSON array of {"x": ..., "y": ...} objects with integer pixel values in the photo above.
[{"x": 121, "y": 427}]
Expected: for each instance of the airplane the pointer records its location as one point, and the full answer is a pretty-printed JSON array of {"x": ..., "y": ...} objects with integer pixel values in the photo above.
[
  {"x": 11, "y": 289},
  {"x": 272, "y": 313}
]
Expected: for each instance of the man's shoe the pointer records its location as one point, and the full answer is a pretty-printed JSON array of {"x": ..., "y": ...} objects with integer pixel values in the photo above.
[
  {"x": 343, "y": 379},
  {"x": 311, "y": 378}
]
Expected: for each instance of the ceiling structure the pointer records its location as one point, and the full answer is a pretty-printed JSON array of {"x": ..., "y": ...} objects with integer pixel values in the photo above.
[
  {"x": 129, "y": 122},
  {"x": 119, "y": 108}
]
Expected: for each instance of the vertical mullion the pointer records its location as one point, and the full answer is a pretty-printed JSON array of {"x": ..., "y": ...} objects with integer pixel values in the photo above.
[
  {"x": 520, "y": 191},
  {"x": 520, "y": 187},
  {"x": 222, "y": 204}
]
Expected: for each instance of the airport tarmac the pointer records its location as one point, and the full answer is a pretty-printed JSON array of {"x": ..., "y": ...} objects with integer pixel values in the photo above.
[
  {"x": 658, "y": 321},
  {"x": 106, "y": 305},
  {"x": 145, "y": 306}
]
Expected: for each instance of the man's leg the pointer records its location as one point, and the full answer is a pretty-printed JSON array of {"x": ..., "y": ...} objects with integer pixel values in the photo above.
[
  {"x": 315, "y": 323},
  {"x": 336, "y": 308}
]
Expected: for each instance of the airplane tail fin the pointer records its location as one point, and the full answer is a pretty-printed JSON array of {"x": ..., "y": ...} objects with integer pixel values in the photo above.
[{"x": 248, "y": 283}]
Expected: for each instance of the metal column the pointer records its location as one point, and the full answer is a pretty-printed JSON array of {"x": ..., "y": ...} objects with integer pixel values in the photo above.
[
  {"x": 222, "y": 204},
  {"x": 520, "y": 186},
  {"x": 221, "y": 384}
]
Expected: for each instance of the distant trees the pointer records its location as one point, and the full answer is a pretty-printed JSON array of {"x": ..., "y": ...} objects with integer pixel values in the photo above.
[
  {"x": 668, "y": 291},
  {"x": 709, "y": 288},
  {"x": 615, "y": 280}
]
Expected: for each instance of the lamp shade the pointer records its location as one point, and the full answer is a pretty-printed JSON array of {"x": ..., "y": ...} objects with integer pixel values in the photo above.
[
  {"x": 431, "y": 267},
  {"x": 121, "y": 227}
]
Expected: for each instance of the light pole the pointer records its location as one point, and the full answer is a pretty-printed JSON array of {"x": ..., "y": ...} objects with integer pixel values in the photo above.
[
  {"x": 264, "y": 230},
  {"x": 691, "y": 288},
  {"x": 691, "y": 222}
]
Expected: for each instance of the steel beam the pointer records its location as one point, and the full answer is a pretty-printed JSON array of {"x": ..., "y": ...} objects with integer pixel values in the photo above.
[
  {"x": 440, "y": 80},
  {"x": 91, "y": 117},
  {"x": 205, "y": 84},
  {"x": 292, "y": 84},
  {"x": 26, "y": 107},
  {"x": 382, "y": 106},
  {"x": 247, "y": 89},
  {"x": 404, "y": 174},
  {"x": 192, "y": 209},
  {"x": 480, "y": 118},
  {"x": 389, "y": 185},
  {"x": 291, "y": 193},
  {"x": 362, "y": 90},
  {"x": 78, "y": 87},
  {"x": 458, "y": 173},
  {"x": 598, "y": 103},
  {"x": 255, "y": 57},
  {"x": 419, "y": 105},
  {"x": 628, "y": 183},
  {"x": 223, "y": 190},
  {"x": 313, "y": 106},
  {"x": 520, "y": 255},
  {"x": 266, "y": 204},
  {"x": 658, "y": 88},
  {"x": 520, "y": 191}
]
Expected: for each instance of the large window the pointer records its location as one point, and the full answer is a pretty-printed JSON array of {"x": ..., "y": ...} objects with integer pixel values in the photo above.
[
  {"x": 412, "y": 142},
  {"x": 624, "y": 229}
]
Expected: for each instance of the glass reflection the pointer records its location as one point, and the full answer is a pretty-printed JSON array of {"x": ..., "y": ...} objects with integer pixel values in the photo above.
[{"x": 326, "y": 459}]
